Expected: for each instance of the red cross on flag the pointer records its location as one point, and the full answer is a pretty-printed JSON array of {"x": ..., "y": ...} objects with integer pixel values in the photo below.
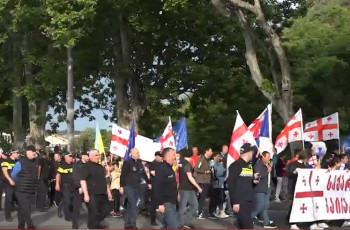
[
  {"x": 119, "y": 141},
  {"x": 323, "y": 129},
  {"x": 291, "y": 132},
  {"x": 167, "y": 139},
  {"x": 240, "y": 136}
]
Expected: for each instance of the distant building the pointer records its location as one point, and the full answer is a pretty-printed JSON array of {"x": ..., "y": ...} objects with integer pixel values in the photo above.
[{"x": 56, "y": 140}]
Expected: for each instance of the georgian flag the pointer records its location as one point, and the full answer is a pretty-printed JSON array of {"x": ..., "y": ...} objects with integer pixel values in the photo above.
[
  {"x": 167, "y": 139},
  {"x": 119, "y": 141},
  {"x": 291, "y": 132},
  {"x": 323, "y": 129},
  {"x": 240, "y": 136}
]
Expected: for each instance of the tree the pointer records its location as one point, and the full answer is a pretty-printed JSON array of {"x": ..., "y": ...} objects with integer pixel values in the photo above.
[
  {"x": 67, "y": 24},
  {"x": 275, "y": 84},
  {"x": 317, "y": 45}
]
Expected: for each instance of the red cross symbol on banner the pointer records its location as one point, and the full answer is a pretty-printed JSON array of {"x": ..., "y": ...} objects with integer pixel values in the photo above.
[
  {"x": 329, "y": 118},
  {"x": 119, "y": 131},
  {"x": 304, "y": 181},
  {"x": 309, "y": 194},
  {"x": 330, "y": 134},
  {"x": 303, "y": 208},
  {"x": 317, "y": 180},
  {"x": 317, "y": 207}
]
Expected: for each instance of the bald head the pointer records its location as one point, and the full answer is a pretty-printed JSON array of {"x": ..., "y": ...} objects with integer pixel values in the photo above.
[
  {"x": 169, "y": 155},
  {"x": 135, "y": 154}
]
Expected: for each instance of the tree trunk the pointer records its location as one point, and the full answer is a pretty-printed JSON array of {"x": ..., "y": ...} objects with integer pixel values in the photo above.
[
  {"x": 130, "y": 102},
  {"x": 18, "y": 135},
  {"x": 281, "y": 99},
  {"x": 37, "y": 108},
  {"x": 70, "y": 100}
]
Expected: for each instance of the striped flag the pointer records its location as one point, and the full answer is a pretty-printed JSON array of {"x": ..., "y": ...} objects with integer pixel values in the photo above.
[{"x": 240, "y": 136}]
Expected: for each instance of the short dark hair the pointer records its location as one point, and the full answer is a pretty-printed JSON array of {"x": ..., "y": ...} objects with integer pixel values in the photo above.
[
  {"x": 305, "y": 154},
  {"x": 186, "y": 153},
  {"x": 166, "y": 151},
  {"x": 263, "y": 154},
  {"x": 215, "y": 154}
]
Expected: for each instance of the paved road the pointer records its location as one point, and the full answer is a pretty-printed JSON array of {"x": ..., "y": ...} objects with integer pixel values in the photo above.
[{"x": 49, "y": 220}]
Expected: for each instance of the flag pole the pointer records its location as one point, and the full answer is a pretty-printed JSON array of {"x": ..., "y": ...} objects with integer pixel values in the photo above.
[
  {"x": 302, "y": 129},
  {"x": 338, "y": 132}
]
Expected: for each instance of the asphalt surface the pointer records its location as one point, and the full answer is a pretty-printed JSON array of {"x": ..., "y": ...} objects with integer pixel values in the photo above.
[{"x": 49, "y": 220}]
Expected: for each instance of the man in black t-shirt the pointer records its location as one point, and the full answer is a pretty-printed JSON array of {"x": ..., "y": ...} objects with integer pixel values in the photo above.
[
  {"x": 43, "y": 184},
  {"x": 96, "y": 191},
  {"x": 240, "y": 184},
  {"x": 64, "y": 183},
  {"x": 152, "y": 168},
  {"x": 166, "y": 189},
  {"x": 187, "y": 190}
]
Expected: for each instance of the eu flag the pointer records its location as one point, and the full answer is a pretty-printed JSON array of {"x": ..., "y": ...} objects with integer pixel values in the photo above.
[
  {"x": 131, "y": 143},
  {"x": 180, "y": 134}
]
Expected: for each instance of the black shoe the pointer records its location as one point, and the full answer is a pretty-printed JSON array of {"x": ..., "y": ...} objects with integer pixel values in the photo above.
[
  {"x": 67, "y": 219},
  {"x": 10, "y": 219},
  {"x": 154, "y": 223},
  {"x": 212, "y": 216},
  {"x": 270, "y": 225}
]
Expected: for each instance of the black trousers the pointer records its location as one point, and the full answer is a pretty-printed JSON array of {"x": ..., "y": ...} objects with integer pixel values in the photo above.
[
  {"x": 43, "y": 188},
  {"x": 202, "y": 197},
  {"x": 67, "y": 201},
  {"x": 53, "y": 194},
  {"x": 216, "y": 199},
  {"x": 78, "y": 200},
  {"x": 24, "y": 209},
  {"x": 2, "y": 187},
  {"x": 244, "y": 218},
  {"x": 116, "y": 199},
  {"x": 154, "y": 206},
  {"x": 9, "y": 198},
  {"x": 98, "y": 209}
]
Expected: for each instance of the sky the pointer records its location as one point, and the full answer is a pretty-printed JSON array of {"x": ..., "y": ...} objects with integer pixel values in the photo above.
[{"x": 83, "y": 123}]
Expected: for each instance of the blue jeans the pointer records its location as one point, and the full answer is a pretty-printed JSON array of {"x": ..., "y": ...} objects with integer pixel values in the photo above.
[
  {"x": 262, "y": 203},
  {"x": 190, "y": 198},
  {"x": 131, "y": 210},
  {"x": 170, "y": 217}
]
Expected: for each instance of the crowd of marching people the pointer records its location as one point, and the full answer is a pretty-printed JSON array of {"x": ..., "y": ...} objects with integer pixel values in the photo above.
[{"x": 177, "y": 185}]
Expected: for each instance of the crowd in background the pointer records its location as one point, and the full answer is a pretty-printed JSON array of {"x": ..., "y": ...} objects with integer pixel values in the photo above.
[{"x": 134, "y": 187}]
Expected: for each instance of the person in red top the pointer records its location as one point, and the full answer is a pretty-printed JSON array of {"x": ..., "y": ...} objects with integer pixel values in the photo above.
[{"x": 195, "y": 156}]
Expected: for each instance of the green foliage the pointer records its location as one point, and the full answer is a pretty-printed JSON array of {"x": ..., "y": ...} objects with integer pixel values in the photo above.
[{"x": 318, "y": 48}]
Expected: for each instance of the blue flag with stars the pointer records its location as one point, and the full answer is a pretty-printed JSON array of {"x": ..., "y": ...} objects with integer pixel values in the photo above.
[{"x": 180, "y": 134}]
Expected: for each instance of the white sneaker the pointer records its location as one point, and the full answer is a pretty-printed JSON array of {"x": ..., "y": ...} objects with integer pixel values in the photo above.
[
  {"x": 223, "y": 215},
  {"x": 323, "y": 225},
  {"x": 294, "y": 227},
  {"x": 346, "y": 224},
  {"x": 277, "y": 200},
  {"x": 315, "y": 227}
]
